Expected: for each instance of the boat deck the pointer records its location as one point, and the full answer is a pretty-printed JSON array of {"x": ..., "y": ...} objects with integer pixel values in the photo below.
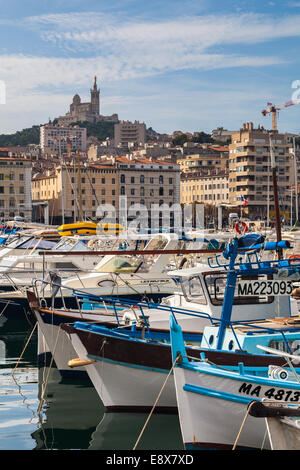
[{"x": 284, "y": 323}]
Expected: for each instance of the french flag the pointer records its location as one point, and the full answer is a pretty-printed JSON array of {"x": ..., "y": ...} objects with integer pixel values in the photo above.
[{"x": 244, "y": 201}]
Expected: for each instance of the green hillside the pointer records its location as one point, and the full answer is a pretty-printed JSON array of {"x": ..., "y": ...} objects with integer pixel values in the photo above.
[
  {"x": 100, "y": 130},
  {"x": 24, "y": 137}
]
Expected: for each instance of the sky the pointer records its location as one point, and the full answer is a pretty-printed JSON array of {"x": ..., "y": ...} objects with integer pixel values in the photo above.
[{"x": 189, "y": 65}]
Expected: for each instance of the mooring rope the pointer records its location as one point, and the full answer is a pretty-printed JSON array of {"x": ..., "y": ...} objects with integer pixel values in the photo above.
[
  {"x": 50, "y": 366},
  {"x": 242, "y": 426},
  {"x": 158, "y": 397},
  {"x": 24, "y": 349}
]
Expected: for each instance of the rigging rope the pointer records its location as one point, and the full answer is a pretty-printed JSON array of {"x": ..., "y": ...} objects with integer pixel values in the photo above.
[{"x": 158, "y": 397}]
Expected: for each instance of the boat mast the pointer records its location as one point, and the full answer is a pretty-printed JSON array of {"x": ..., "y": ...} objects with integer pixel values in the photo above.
[
  {"x": 79, "y": 187},
  {"x": 275, "y": 192}
]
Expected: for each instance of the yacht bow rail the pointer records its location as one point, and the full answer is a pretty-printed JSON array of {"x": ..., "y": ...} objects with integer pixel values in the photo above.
[{"x": 115, "y": 304}]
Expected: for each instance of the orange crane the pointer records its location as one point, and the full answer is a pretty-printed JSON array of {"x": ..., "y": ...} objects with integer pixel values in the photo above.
[{"x": 274, "y": 110}]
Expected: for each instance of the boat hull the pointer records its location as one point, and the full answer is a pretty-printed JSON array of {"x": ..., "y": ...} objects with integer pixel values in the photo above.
[{"x": 129, "y": 374}]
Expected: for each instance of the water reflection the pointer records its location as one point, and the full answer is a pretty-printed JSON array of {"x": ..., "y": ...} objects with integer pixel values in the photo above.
[
  {"x": 70, "y": 412},
  {"x": 121, "y": 431},
  {"x": 72, "y": 415}
]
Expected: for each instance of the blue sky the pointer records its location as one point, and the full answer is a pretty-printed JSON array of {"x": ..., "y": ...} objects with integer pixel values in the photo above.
[{"x": 175, "y": 65}]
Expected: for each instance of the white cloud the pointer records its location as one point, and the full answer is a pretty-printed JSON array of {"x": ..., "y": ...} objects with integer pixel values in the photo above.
[
  {"x": 98, "y": 30},
  {"x": 22, "y": 73}
]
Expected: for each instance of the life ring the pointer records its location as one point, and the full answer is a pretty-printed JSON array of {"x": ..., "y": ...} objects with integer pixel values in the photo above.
[
  {"x": 241, "y": 227},
  {"x": 294, "y": 259}
]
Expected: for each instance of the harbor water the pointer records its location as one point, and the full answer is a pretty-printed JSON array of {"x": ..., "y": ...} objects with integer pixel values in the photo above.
[{"x": 40, "y": 411}]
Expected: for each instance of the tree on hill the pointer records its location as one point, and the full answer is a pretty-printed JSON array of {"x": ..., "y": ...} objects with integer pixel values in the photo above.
[
  {"x": 26, "y": 136},
  {"x": 201, "y": 138}
]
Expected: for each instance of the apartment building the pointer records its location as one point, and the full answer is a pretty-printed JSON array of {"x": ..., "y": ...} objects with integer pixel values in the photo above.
[
  {"x": 250, "y": 173},
  {"x": 148, "y": 182},
  {"x": 129, "y": 134},
  {"x": 15, "y": 186},
  {"x": 78, "y": 193},
  {"x": 62, "y": 139},
  {"x": 153, "y": 184},
  {"x": 210, "y": 188},
  {"x": 74, "y": 192},
  {"x": 210, "y": 158}
]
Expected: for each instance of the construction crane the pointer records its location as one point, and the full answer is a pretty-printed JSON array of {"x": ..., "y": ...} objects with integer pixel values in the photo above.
[{"x": 274, "y": 110}]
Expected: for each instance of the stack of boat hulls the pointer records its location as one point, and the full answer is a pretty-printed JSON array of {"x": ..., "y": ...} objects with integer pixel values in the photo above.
[{"x": 205, "y": 324}]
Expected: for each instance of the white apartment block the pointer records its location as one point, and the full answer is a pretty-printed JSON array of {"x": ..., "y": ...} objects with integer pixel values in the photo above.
[{"x": 56, "y": 138}]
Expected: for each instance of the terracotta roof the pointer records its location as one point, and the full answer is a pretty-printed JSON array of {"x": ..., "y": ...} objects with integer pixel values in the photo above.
[
  {"x": 142, "y": 160},
  {"x": 219, "y": 149}
]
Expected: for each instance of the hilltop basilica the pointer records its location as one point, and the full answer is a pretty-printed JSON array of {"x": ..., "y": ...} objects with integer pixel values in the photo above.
[{"x": 86, "y": 111}]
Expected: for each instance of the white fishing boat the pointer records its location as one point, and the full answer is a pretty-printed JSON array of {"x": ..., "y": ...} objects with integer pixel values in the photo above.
[{"x": 213, "y": 403}]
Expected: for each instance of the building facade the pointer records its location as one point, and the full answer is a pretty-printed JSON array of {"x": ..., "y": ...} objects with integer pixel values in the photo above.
[
  {"x": 205, "y": 159},
  {"x": 210, "y": 188},
  {"x": 129, "y": 134},
  {"x": 250, "y": 175},
  {"x": 78, "y": 193},
  {"x": 74, "y": 192},
  {"x": 62, "y": 139},
  {"x": 15, "y": 187}
]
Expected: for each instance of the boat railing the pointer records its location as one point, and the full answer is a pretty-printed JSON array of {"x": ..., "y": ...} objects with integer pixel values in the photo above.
[
  {"x": 257, "y": 264},
  {"x": 254, "y": 329},
  {"x": 112, "y": 304}
]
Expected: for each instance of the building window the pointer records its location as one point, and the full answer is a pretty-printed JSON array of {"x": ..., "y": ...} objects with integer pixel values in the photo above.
[
  {"x": 151, "y": 180},
  {"x": 103, "y": 180},
  {"x": 113, "y": 181},
  {"x": 161, "y": 179},
  {"x": 122, "y": 190},
  {"x": 142, "y": 179},
  {"x": 132, "y": 191},
  {"x": 123, "y": 179},
  {"x": 161, "y": 191},
  {"x": 142, "y": 191},
  {"x": 93, "y": 180},
  {"x": 132, "y": 179}
]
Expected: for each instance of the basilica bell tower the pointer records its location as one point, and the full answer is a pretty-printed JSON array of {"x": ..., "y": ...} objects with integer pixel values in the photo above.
[{"x": 95, "y": 98}]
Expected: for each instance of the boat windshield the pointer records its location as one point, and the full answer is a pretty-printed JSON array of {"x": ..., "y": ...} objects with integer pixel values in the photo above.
[
  {"x": 192, "y": 290},
  {"x": 120, "y": 264},
  {"x": 17, "y": 241},
  {"x": 215, "y": 284},
  {"x": 71, "y": 245},
  {"x": 30, "y": 242}
]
